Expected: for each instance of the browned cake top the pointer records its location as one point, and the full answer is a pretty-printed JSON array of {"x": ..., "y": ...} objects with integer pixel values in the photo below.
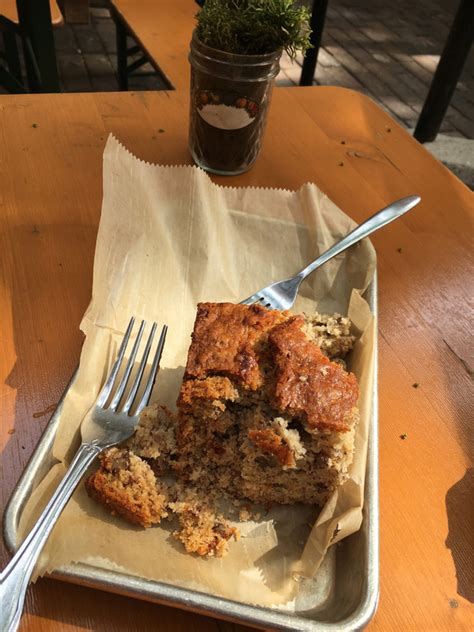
[
  {"x": 225, "y": 341},
  {"x": 307, "y": 383}
]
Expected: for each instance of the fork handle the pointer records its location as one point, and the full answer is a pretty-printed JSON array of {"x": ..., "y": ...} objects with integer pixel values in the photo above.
[
  {"x": 383, "y": 217},
  {"x": 15, "y": 577}
]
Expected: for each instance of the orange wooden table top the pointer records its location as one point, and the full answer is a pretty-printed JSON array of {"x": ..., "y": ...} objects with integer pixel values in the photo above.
[{"x": 50, "y": 197}]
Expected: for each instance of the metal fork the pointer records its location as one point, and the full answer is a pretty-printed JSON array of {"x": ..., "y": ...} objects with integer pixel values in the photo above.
[
  {"x": 103, "y": 427},
  {"x": 282, "y": 294}
]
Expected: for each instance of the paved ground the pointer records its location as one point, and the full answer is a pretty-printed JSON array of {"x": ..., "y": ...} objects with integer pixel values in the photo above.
[{"x": 388, "y": 50}]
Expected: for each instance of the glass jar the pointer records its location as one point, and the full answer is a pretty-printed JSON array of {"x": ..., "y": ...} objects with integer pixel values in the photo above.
[{"x": 230, "y": 96}]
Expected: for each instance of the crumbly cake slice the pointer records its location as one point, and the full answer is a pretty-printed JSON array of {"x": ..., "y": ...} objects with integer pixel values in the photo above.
[
  {"x": 278, "y": 436},
  {"x": 127, "y": 486},
  {"x": 266, "y": 413}
]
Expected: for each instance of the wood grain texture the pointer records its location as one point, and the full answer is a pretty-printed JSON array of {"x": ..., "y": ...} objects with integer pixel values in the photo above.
[
  {"x": 8, "y": 10},
  {"x": 50, "y": 197},
  {"x": 164, "y": 31}
]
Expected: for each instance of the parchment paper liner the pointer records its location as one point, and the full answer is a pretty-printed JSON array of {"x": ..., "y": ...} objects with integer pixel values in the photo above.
[{"x": 168, "y": 238}]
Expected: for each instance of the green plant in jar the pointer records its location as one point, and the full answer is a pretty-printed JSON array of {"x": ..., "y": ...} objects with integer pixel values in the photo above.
[
  {"x": 254, "y": 27},
  {"x": 235, "y": 53}
]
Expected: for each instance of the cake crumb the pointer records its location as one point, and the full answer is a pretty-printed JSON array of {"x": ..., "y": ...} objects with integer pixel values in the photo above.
[
  {"x": 202, "y": 531},
  {"x": 126, "y": 485}
]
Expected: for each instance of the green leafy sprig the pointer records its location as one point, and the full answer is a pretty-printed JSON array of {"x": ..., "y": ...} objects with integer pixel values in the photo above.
[{"x": 254, "y": 27}]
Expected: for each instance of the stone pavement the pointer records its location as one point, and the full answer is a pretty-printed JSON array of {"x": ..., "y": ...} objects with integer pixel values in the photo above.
[{"x": 389, "y": 51}]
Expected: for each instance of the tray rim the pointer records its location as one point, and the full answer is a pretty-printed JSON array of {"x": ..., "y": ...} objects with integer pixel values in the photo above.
[{"x": 204, "y": 603}]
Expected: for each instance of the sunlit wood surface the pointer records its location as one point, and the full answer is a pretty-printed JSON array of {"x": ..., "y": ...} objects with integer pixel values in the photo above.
[
  {"x": 50, "y": 197},
  {"x": 163, "y": 30},
  {"x": 8, "y": 10}
]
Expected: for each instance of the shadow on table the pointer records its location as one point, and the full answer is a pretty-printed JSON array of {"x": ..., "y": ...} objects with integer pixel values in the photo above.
[
  {"x": 44, "y": 280},
  {"x": 434, "y": 248},
  {"x": 461, "y": 527}
]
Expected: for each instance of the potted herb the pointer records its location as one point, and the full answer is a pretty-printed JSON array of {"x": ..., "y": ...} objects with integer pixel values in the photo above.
[{"x": 235, "y": 53}]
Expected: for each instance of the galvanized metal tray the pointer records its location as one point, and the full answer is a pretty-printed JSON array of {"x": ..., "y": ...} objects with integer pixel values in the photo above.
[{"x": 351, "y": 580}]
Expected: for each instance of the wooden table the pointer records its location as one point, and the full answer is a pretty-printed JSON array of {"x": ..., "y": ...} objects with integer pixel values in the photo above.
[{"x": 50, "y": 197}]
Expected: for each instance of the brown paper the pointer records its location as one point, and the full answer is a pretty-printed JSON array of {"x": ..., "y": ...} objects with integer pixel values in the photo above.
[{"x": 169, "y": 238}]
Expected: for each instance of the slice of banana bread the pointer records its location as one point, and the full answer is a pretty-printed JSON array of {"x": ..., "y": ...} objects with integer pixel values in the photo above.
[{"x": 264, "y": 414}]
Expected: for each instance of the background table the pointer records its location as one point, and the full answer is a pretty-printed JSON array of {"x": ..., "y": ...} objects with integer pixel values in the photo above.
[{"x": 50, "y": 197}]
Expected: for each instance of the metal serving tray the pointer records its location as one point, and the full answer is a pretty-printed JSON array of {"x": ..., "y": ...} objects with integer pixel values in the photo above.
[{"x": 351, "y": 588}]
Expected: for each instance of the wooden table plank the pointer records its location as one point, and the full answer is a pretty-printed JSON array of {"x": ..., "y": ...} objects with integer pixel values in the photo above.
[
  {"x": 50, "y": 170},
  {"x": 8, "y": 10},
  {"x": 164, "y": 31}
]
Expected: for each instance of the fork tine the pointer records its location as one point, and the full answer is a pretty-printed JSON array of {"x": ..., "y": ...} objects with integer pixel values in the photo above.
[
  {"x": 106, "y": 389},
  {"x": 128, "y": 369},
  {"x": 251, "y": 300},
  {"x": 153, "y": 371},
  {"x": 136, "y": 384},
  {"x": 256, "y": 299}
]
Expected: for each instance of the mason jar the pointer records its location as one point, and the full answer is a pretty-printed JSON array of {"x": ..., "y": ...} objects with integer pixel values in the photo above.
[{"x": 230, "y": 97}]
